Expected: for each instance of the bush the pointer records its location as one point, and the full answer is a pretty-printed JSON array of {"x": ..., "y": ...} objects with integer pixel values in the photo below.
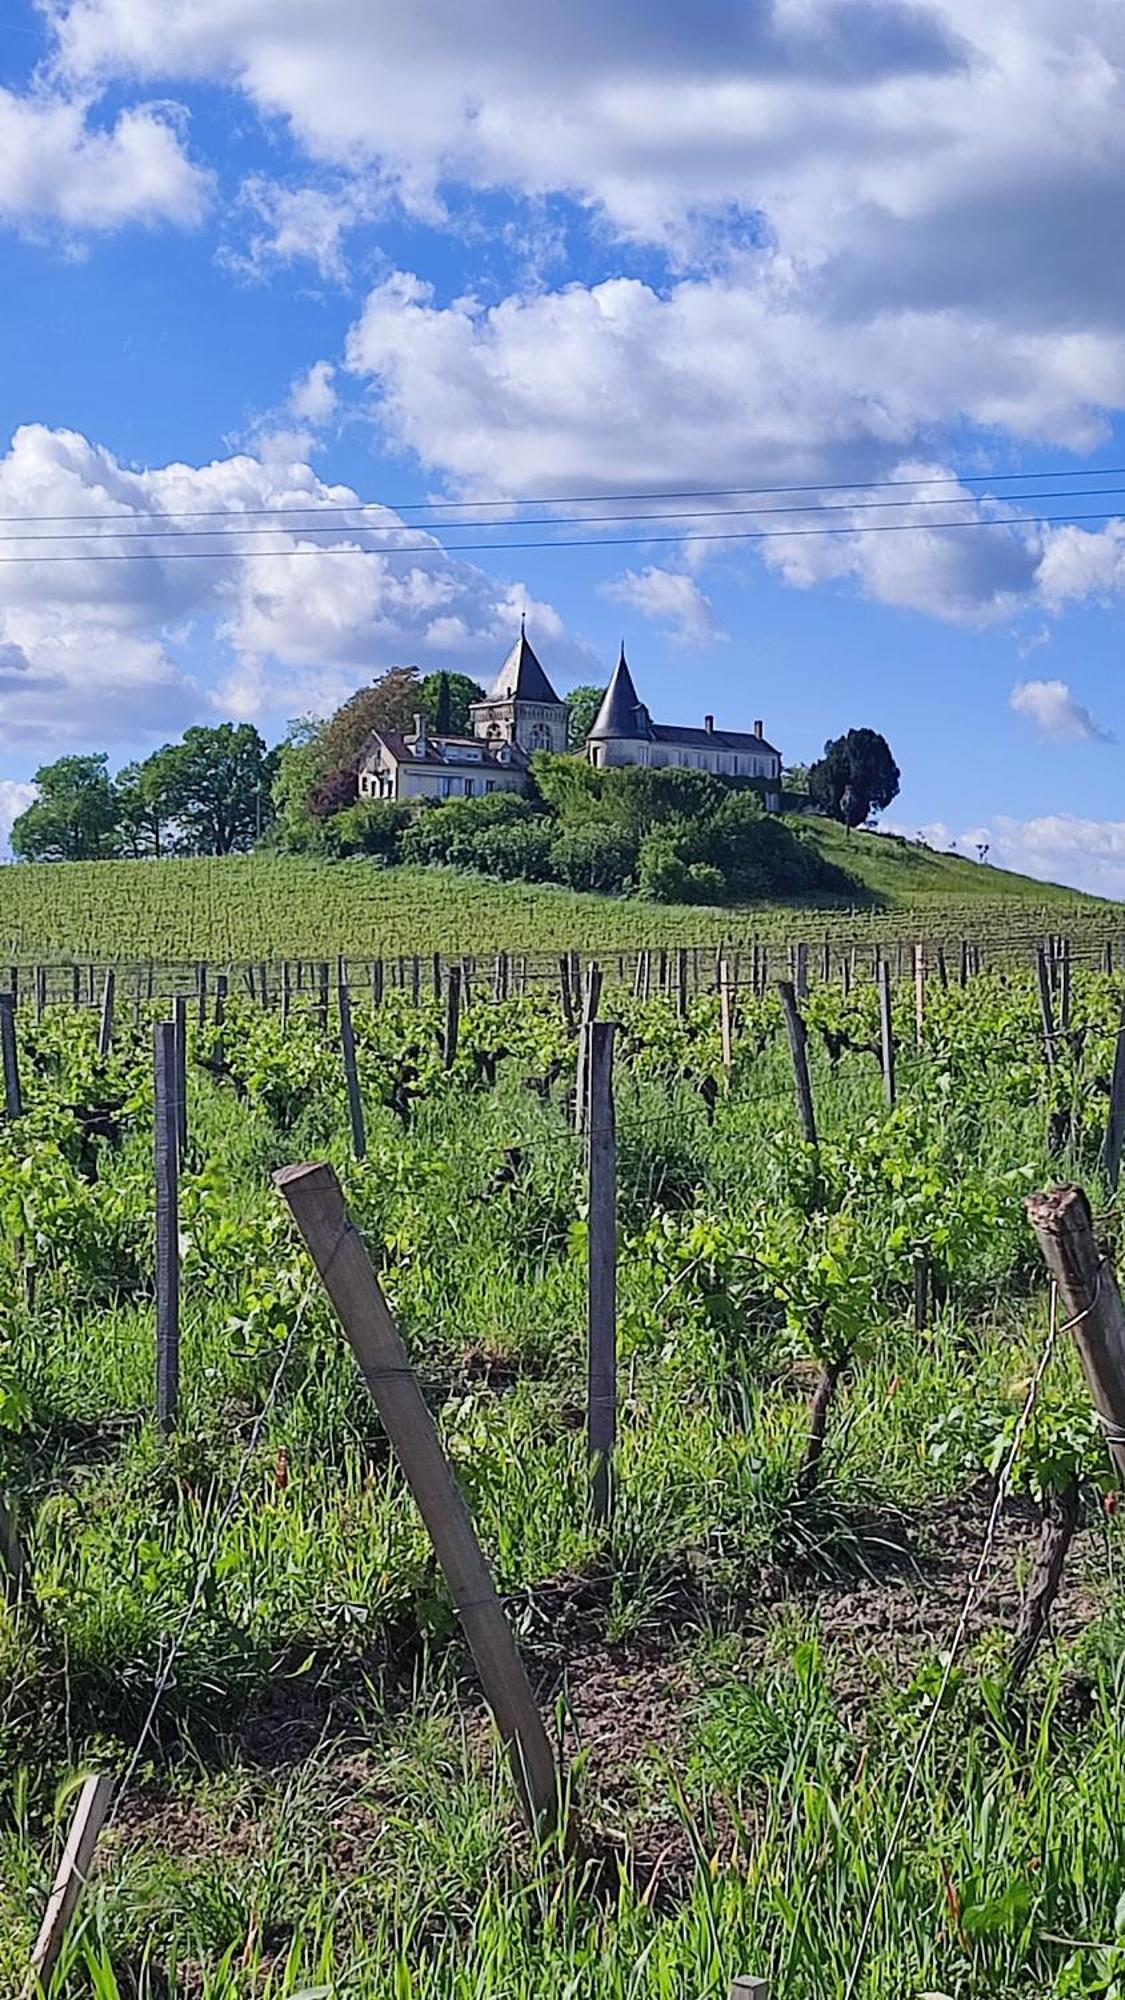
[
  {"x": 594, "y": 857},
  {"x": 447, "y": 833},
  {"x": 666, "y": 874},
  {"x": 333, "y": 794},
  {"x": 373, "y": 826},
  {"x": 517, "y": 851}
]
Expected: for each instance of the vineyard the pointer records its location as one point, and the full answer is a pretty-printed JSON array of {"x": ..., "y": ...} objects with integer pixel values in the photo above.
[
  {"x": 268, "y": 907},
  {"x": 737, "y": 1336}
]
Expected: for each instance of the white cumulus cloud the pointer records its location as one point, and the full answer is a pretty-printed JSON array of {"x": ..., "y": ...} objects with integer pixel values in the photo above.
[
  {"x": 15, "y": 797},
  {"x": 59, "y": 167},
  {"x": 1056, "y": 713},
  {"x": 671, "y": 600},
  {"x": 1056, "y": 847}
]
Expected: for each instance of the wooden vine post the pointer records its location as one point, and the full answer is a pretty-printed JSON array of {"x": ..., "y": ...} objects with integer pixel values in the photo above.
[
  {"x": 351, "y": 1074},
  {"x": 919, "y": 993},
  {"x": 167, "y": 1227},
  {"x": 1090, "y": 1300},
  {"x": 105, "y": 1025},
  {"x": 798, "y": 1049},
  {"x": 601, "y": 1412},
  {"x": 452, "y": 1015},
  {"x": 591, "y": 1001},
  {"x": 886, "y": 1033},
  {"x": 74, "y": 1868},
  {"x": 179, "y": 1023},
  {"x": 13, "y": 1097},
  {"x": 317, "y": 1204},
  {"x": 1115, "y": 1130},
  {"x": 726, "y": 1024},
  {"x": 1046, "y": 1005}
]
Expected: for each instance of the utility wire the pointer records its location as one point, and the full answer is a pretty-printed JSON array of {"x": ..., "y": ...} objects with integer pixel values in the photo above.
[
  {"x": 436, "y": 548},
  {"x": 590, "y": 499},
  {"x": 113, "y": 526}
]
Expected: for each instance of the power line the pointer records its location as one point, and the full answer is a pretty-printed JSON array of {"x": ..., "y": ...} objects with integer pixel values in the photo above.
[
  {"x": 233, "y": 527},
  {"x": 591, "y": 499},
  {"x": 436, "y": 548}
]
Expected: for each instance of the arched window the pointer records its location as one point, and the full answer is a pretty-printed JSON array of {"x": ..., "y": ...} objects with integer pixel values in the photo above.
[{"x": 540, "y": 738}]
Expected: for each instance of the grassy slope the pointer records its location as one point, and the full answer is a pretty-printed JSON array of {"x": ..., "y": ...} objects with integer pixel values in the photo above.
[{"x": 265, "y": 907}]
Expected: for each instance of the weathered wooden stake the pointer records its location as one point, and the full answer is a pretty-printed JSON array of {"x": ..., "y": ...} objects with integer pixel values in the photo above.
[
  {"x": 798, "y": 1049},
  {"x": 726, "y": 1025},
  {"x": 1115, "y": 1130},
  {"x": 315, "y": 1199},
  {"x": 13, "y": 1566},
  {"x": 74, "y": 1868},
  {"x": 377, "y": 982},
  {"x": 886, "y": 1033},
  {"x": 351, "y": 1073},
  {"x": 167, "y": 1227},
  {"x": 179, "y": 1023},
  {"x": 591, "y": 1000},
  {"x": 105, "y": 1025},
  {"x": 919, "y": 993},
  {"x": 565, "y": 993},
  {"x": 452, "y": 1015},
  {"x": 13, "y": 1097},
  {"x": 1091, "y": 1301},
  {"x": 681, "y": 982},
  {"x": 750, "y": 1989},
  {"x": 286, "y": 993},
  {"x": 322, "y": 995},
  {"x": 921, "y": 1291},
  {"x": 601, "y": 1412},
  {"x": 1046, "y": 1005},
  {"x": 801, "y": 970}
]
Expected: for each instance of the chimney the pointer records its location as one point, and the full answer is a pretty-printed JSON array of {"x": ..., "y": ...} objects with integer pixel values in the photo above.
[
  {"x": 759, "y": 728},
  {"x": 709, "y": 724},
  {"x": 420, "y": 744}
]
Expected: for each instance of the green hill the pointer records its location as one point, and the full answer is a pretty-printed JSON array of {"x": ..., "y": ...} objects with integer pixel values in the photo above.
[{"x": 269, "y": 907}]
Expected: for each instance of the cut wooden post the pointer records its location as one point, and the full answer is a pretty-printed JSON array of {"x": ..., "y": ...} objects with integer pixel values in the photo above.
[
  {"x": 921, "y": 1291},
  {"x": 40, "y": 992},
  {"x": 179, "y": 1023},
  {"x": 167, "y": 1227},
  {"x": 13, "y": 1566},
  {"x": 801, "y": 970},
  {"x": 201, "y": 992},
  {"x": 286, "y": 993},
  {"x": 1046, "y": 1005},
  {"x": 351, "y": 1074},
  {"x": 452, "y": 1015},
  {"x": 1064, "y": 984},
  {"x": 377, "y": 982},
  {"x": 750, "y": 1989},
  {"x": 919, "y": 993},
  {"x": 964, "y": 969},
  {"x": 565, "y": 993},
  {"x": 886, "y": 1033},
  {"x": 13, "y": 1097},
  {"x": 726, "y": 1027},
  {"x": 314, "y": 1196},
  {"x": 437, "y": 975},
  {"x": 322, "y": 995},
  {"x": 798, "y": 1049},
  {"x": 1091, "y": 1301},
  {"x": 1115, "y": 1130},
  {"x": 942, "y": 970},
  {"x": 73, "y": 1871},
  {"x": 105, "y": 1025},
  {"x": 601, "y": 1410},
  {"x": 591, "y": 1000},
  {"x": 220, "y": 999},
  {"x": 681, "y": 982},
  {"x": 75, "y": 987}
]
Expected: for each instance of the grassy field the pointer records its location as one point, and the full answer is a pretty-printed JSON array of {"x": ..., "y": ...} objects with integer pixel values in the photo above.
[
  {"x": 742, "y": 1672},
  {"x": 258, "y": 907}
]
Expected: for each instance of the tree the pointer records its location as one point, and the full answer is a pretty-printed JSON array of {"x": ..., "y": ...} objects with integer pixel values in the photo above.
[
  {"x": 856, "y": 776},
  {"x": 74, "y": 817},
  {"x": 217, "y": 786},
  {"x": 144, "y": 806},
  {"x": 795, "y": 778},
  {"x": 389, "y": 703},
  {"x": 445, "y": 700},
  {"x": 582, "y": 705}
]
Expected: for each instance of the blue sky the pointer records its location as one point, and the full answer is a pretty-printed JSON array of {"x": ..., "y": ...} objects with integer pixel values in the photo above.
[{"x": 264, "y": 254}]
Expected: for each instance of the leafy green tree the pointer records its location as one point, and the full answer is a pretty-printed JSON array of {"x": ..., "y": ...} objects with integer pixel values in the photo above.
[
  {"x": 74, "y": 817},
  {"x": 445, "y": 700},
  {"x": 144, "y": 807},
  {"x": 856, "y": 776},
  {"x": 390, "y": 702},
  {"x": 582, "y": 705},
  {"x": 217, "y": 783}
]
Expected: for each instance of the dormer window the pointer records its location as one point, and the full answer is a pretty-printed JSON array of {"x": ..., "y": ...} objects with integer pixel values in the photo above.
[{"x": 503, "y": 754}]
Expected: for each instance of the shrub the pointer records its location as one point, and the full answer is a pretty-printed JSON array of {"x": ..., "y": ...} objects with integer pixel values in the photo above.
[
  {"x": 594, "y": 857},
  {"x": 516, "y": 851},
  {"x": 373, "y": 826},
  {"x": 666, "y": 874},
  {"x": 447, "y": 833},
  {"x": 333, "y": 794}
]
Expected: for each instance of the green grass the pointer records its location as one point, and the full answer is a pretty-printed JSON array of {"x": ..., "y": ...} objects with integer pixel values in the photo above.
[
  {"x": 262, "y": 907},
  {"x": 741, "y": 1682}
]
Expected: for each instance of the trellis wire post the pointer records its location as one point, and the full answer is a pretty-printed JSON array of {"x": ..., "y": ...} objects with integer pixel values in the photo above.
[
  {"x": 919, "y": 993},
  {"x": 317, "y": 1204},
  {"x": 886, "y": 1033},
  {"x": 73, "y": 1870},
  {"x": 748, "y": 1988},
  {"x": 801, "y": 970},
  {"x": 105, "y": 1025},
  {"x": 351, "y": 1072},
  {"x": 1046, "y": 1004},
  {"x": 591, "y": 1000},
  {"x": 13, "y": 1097},
  {"x": 201, "y": 992},
  {"x": 601, "y": 1414},
  {"x": 798, "y": 1049},
  {"x": 179, "y": 1024},
  {"x": 13, "y": 1566},
  {"x": 726, "y": 1028},
  {"x": 167, "y": 1226},
  {"x": 1088, "y": 1289},
  {"x": 565, "y": 994},
  {"x": 1115, "y": 1129},
  {"x": 322, "y": 995},
  {"x": 286, "y": 993},
  {"x": 452, "y": 1015}
]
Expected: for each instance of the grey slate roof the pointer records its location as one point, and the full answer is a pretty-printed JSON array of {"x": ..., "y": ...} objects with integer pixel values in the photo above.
[
  {"x": 622, "y": 712},
  {"x": 712, "y": 739},
  {"x": 453, "y": 747},
  {"x": 521, "y": 678}
]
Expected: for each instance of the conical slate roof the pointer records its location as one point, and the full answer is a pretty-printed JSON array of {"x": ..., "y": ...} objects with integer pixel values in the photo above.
[
  {"x": 521, "y": 678},
  {"x": 622, "y": 713}
]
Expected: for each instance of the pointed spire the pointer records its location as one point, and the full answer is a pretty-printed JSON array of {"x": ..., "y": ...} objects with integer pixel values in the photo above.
[
  {"x": 521, "y": 678},
  {"x": 622, "y": 712}
]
